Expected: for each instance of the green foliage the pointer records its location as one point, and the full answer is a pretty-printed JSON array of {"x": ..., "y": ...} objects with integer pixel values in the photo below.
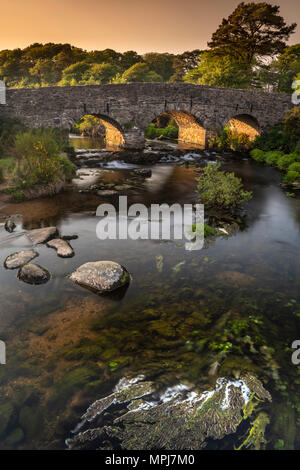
[
  {"x": 283, "y": 136},
  {"x": 292, "y": 176},
  {"x": 91, "y": 126},
  {"x": 272, "y": 157},
  {"x": 141, "y": 72},
  {"x": 218, "y": 71},
  {"x": 286, "y": 160},
  {"x": 253, "y": 30},
  {"x": 9, "y": 128},
  {"x": 295, "y": 167},
  {"x": 161, "y": 64},
  {"x": 68, "y": 169},
  {"x": 284, "y": 69},
  {"x": 221, "y": 189},
  {"x": 291, "y": 127},
  {"x": 230, "y": 139},
  {"x": 258, "y": 155},
  {"x": 169, "y": 131},
  {"x": 208, "y": 230},
  {"x": 37, "y": 159}
]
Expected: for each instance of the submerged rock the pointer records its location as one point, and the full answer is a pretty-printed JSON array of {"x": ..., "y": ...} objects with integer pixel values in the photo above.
[
  {"x": 33, "y": 274},
  {"x": 62, "y": 247},
  {"x": 9, "y": 226},
  {"x": 179, "y": 418},
  {"x": 42, "y": 235},
  {"x": 101, "y": 276},
  {"x": 16, "y": 260}
]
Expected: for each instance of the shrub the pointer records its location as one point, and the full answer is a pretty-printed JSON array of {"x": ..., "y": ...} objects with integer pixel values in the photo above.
[
  {"x": 283, "y": 136},
  {"x": 272, "y": 157},
  {"x": 291, "y": 127},
  {"x": 169, "y": 131},
  {"x": 220, "y": 189},
  {"x": 231, "y": 140},
  {"x": 286, "y": 160},
  {"x": 258, "y": 155},
  {"x": 9, "y": 128},
  {"x": 36, "y": 152},
  {"x": 68, "y": 169},
  {"x": 294, "y": 167},
  {"x": 292, "y": 176}
]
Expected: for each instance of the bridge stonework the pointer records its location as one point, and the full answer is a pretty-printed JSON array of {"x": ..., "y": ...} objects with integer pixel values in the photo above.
[{"x": 200, "y": 111}]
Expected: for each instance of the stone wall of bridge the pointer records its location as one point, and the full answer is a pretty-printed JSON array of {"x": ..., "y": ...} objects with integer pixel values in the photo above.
[{"x": 198, "y": 110}]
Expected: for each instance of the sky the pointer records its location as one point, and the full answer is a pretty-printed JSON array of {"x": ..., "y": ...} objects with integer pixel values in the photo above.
[{"x": 141, "y": 25}]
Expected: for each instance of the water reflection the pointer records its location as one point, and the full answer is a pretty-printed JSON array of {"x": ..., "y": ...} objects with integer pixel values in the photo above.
[{"x": 66, "y": 346}]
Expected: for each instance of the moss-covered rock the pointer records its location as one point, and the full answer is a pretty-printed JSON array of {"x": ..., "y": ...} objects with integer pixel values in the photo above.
[{"x": 179, "y": 418}]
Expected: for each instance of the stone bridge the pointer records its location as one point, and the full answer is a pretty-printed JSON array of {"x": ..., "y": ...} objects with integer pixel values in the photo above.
[{"x": 127, "y": 109}]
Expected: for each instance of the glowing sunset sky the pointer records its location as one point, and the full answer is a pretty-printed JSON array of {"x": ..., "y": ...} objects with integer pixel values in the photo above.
[{"x": 141, "y": 25}]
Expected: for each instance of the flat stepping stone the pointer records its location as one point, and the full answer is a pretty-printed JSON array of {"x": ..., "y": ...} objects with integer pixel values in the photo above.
[
  {"x": 62, "y": 247},
  {"x": 123, "y": 187},
  {"x": 33, "y": 274},
  {"x": 9, "y": 226},
  {"x": 42, "y": 235},
  {"x": 16, "y": 260},
  {"x": 101, "y": 276}
]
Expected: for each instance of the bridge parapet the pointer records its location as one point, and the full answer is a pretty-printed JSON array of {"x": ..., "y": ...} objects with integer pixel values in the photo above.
[{"x": 131, "y": 107}]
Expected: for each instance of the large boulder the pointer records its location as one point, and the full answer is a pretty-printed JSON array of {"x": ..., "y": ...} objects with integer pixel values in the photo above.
[
  {"x": 62, "y": 247},
  {"x": 9, "y": 225},
  {"x": 33, "y": 274},
  {"x": 101, "y": 276},
  {"x": 42, "y": 235},
  {"x": 16, "y": 260}
]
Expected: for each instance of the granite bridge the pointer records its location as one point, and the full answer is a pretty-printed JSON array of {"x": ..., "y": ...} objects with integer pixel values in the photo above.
[{"x": 127, "y": 109}]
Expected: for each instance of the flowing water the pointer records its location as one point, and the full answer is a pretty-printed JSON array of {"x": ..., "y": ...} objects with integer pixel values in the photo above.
[{"x": 185, "y": 317}]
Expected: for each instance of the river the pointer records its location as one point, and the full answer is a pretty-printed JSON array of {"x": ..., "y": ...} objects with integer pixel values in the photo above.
[{"x": 236, "y": 303}]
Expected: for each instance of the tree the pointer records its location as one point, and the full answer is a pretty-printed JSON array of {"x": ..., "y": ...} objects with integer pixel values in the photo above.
[
  {"x": 252, "y": 31},
  {"x": 219, "y": 71},
  {"x": 45, "y": 72},
  {"x": 183, "y": 63},
  {"x": 140, "y": 72},
  {"x": 100, "y": 73},
  {"x": 74, "y": 74},
  {"x": 286, "y": 68},
  {"x": 128, "y": 59},
  {"x": 162, "y": 64}
]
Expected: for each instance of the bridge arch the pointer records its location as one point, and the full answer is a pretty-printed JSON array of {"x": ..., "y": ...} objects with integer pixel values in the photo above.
[
  {"x": 245, "y": 124},
  {"x": 190, "y": 128},
  {"x": 114, "y": 133}
]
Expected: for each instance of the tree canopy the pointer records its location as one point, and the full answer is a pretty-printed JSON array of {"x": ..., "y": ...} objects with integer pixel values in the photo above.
[
  {"x": 248, "y": 50},
  {"x": 253, "y": 30}
]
